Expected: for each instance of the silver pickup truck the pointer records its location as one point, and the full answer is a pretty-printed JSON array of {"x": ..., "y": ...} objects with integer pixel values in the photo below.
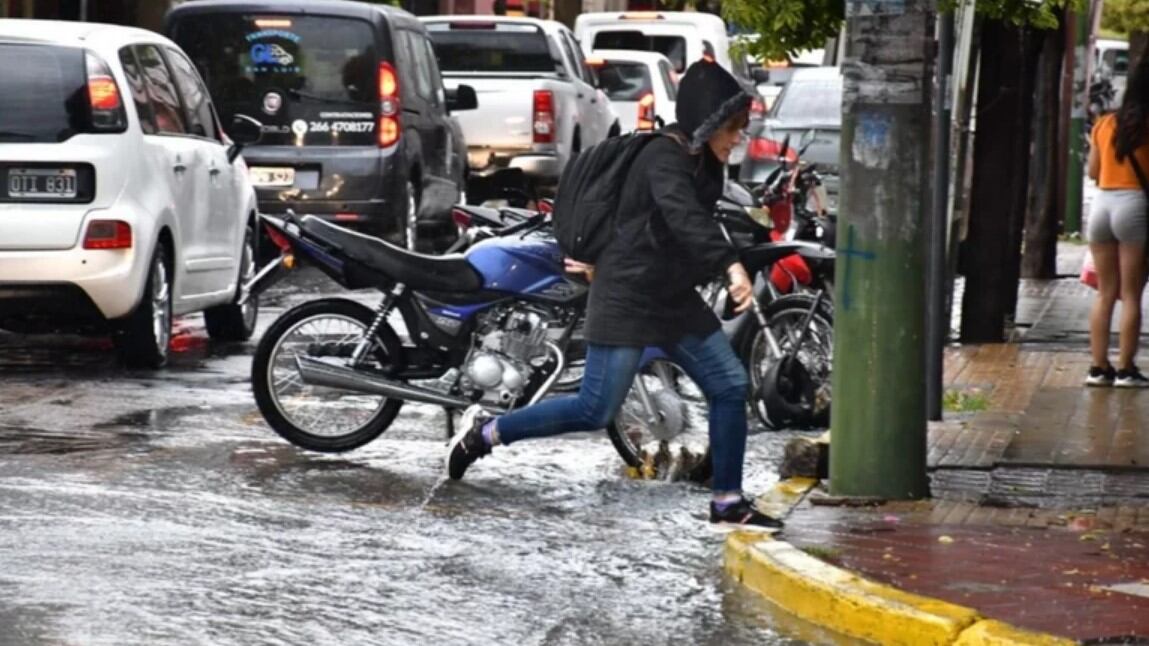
[{"x": 538, "y": 99}]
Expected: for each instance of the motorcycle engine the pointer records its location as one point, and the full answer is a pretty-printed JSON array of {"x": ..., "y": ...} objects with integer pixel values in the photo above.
[{"x": 510, "y": 345}]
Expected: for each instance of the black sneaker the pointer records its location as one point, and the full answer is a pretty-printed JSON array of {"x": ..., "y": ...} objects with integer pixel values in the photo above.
[
  {"x": 468, "y": 444},
  {"x": 1131, "y": 378},
  {"x": 742, "y": 516},
  {"x": 1101, "y": 376}
]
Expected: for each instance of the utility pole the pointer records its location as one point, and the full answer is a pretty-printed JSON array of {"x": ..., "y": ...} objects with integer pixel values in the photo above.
[{"x": 879, "y": 422}]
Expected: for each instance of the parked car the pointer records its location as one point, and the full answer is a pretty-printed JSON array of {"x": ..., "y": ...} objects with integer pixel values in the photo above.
[
  {"x": 1111, "y": 62},
  {"x": 810, "y": 106},
  {"x": 640, "y": 86},
  {"x": 540, "y": 103},
  {"x": 682, "y": 36},
  {"x": 123, "y": 203},
  {"x": 356, "y": 118}
]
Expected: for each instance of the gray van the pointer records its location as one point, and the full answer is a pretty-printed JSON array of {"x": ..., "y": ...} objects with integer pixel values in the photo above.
[{"x": 356, "y": 121}]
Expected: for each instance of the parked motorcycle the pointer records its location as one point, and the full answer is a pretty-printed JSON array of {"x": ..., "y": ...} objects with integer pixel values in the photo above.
[{"x": 488, "y": 326}]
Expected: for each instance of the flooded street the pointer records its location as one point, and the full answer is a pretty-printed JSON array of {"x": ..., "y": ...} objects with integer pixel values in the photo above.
[{"x": 140, "y": 508}]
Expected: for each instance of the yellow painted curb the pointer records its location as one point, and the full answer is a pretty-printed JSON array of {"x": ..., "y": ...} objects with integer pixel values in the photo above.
[
  {"x": 843, "y": 602},
  {"x": 995, "y": 633},
  {"x": 839, "y": 600}
]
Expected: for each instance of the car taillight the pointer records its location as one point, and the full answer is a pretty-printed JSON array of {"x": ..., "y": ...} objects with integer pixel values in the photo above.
[
  {"x": 762, "y": 149},
  {"x": 544, "y": 117},
  {"x": 388, "y": 105},
  {"x": 646, "y": 112},
  {"x": 546, "y": 205},
  {"x": 108, "y": 234},
  {"x": 461, "y": 218},
  {"x": 106, "y": 107}
]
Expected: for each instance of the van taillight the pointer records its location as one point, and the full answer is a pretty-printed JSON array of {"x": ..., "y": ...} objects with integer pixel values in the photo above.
[
  {"x": 388, "y": 105},
  {"x": 106, "y": 107},
  {"x": 544, "y": 117},
  {"x": 108, "y": 234},
  {"x": 646, "y": 112}
]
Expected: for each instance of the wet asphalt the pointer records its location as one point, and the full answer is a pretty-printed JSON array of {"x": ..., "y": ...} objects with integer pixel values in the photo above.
[{"x": 159, "y": 508}]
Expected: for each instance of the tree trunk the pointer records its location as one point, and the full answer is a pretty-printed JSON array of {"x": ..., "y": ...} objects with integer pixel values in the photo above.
[
  {"x": 1041, "y": 219},
  {"x": 567, "y": 10},
  {"x": 1031, "y": 44},
  {"x": 998, "y": 154},
  {"x": 1138, "y": 43}
]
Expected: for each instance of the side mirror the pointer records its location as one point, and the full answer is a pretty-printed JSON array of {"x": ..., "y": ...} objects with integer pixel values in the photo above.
[
  {"x": 244, "y": 131},
  {"x": 462, "y": 98},
  {"x": 760, "y": 75}
]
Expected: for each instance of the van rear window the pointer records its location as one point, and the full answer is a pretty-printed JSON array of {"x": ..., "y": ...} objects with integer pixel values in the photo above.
[
  {"x": 672, "y": 47},
  {"x": 311, "y": 80},
  {"x": 491, "y": 47},
  {"x": 625, "y": 81}
]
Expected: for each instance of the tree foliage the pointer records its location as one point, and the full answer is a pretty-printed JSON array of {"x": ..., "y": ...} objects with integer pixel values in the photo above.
[
  {"x": 1126, "y": 16},
  {"x": 785, "y": 26}
]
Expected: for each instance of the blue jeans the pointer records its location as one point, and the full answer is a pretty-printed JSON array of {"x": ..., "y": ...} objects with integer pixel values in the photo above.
[{"x": 609, "y": 373}]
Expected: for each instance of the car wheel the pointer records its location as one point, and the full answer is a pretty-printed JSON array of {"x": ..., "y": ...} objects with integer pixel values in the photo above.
[
  {"x": 142, "y": 339},
  {"x": 235, "y": 322}
]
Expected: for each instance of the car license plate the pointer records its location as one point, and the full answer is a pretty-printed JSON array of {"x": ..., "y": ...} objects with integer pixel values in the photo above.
[
  {"x": 266, "y": 176},
  {"x": 42, "y": 183}
]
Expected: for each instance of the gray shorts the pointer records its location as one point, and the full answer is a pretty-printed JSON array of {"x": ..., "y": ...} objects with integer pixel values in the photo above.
[{"x": 1118, "y": 216}]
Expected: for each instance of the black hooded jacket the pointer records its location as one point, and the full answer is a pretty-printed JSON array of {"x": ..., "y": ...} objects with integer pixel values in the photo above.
[{"x": 643, "y": 293}]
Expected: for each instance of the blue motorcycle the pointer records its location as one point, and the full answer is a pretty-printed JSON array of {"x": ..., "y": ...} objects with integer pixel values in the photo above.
[{"x": 489, "y": 326}]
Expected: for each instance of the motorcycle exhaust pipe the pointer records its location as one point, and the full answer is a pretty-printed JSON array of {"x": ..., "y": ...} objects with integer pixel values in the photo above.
[{"x": 319, "y": 373}]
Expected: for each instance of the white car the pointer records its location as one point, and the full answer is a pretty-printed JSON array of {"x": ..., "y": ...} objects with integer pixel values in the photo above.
[
  {"x": 538, "y": 104},
  {"x": 640, "y": 86},
  {"x": 122, "y": 202}
]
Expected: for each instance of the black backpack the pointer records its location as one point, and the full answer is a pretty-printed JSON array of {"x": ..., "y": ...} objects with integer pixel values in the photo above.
[{"x": 589, "y": 193}]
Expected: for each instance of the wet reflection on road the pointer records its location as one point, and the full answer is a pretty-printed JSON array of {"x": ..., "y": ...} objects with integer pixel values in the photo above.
[{"x": 160, "y": 509}]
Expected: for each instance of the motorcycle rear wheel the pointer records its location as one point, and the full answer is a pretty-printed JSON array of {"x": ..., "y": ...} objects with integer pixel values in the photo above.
[
  {"x": 318, "y": 418},
  {"x": 682, "y": 419}
]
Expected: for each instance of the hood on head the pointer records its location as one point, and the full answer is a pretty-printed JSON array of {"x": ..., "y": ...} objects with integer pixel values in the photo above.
[{"x": 708, "y": 95}]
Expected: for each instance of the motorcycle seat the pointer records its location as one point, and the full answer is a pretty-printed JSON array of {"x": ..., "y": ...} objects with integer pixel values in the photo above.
[{"x": 450, "y": 273}]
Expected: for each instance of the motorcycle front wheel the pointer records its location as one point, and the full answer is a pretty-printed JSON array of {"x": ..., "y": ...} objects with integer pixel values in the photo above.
[
  {"x": 319, "y": 418},
  {"x": 662, "y": 430},
  {"x": 802, "y": 393}
]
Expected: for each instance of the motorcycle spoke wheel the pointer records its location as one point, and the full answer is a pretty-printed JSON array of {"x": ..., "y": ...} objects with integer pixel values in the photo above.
[
  {"x": 318, "y": 410},
  {"x": 815, "y": 355},
  {"x": 674, "y": 443}
]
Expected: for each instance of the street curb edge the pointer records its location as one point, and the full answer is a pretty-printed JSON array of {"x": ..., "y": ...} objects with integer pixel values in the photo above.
[{"x": 843, "y": 602}]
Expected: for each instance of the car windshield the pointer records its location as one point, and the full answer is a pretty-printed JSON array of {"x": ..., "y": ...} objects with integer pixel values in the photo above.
[
  {"x": 491, "y": 47},
  {"x": 45, "y": 93},
  {"x": 811, "y": 101},
  {"x": 623, "y": 81},
  {"x": 672, "y": 47},
  {"x": 309, "y": 79}
]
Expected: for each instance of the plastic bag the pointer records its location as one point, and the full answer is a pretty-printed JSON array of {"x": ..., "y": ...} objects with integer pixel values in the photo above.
[{"x": 1089, "y": 271}]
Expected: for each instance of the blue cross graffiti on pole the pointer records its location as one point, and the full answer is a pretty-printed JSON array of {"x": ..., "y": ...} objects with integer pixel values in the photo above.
[{"x": 851, "y": 252}]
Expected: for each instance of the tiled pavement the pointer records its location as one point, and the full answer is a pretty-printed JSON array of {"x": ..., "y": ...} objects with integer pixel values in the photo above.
[
  {"x": 1084, "y": 576},
  {"x": 1041, "y": 509}
]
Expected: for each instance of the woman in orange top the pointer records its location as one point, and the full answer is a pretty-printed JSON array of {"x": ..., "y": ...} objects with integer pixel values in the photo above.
[{"x": 1117, "y": 231}]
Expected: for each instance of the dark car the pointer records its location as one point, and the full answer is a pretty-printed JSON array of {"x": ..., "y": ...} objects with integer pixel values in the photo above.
[
  {"x": 809, "y": 112},
  {"x": 356, "y": 122}
]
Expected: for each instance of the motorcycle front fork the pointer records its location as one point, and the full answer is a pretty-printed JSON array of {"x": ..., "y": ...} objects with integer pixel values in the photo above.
[{"x": 775, "y": 348}]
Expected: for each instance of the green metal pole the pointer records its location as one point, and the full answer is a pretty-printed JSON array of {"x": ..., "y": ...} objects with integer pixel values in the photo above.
[
  {"x": 1075, "y": 170},
  {"x": 878, "y": 432}
]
